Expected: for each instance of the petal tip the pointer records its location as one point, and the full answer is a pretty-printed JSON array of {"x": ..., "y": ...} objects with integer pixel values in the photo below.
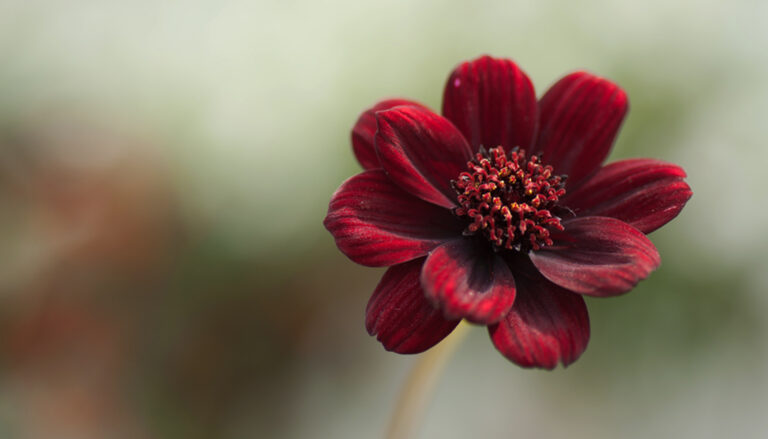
[
  {"x": 364, "y": 131},
  {"x": 547, "y": 326},
  {"x": 492, "y": 102},
  {"x": 400, "y": 316},
  {"x": 598, "y": 256},
  {"x": 465, "y": 282}
]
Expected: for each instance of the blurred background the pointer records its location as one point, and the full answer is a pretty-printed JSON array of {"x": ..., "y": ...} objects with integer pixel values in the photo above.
[{"x": 165, "y": 168}]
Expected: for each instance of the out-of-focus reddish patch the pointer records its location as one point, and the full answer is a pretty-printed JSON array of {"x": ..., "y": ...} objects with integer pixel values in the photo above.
[{"x": 65, "y": 363}]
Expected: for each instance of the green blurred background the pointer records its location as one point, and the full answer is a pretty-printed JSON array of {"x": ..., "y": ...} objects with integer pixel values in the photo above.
[{"x": 165, "y": 168}]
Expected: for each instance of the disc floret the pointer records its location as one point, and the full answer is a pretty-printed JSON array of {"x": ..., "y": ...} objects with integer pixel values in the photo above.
[{"x": 508, "y": 199}]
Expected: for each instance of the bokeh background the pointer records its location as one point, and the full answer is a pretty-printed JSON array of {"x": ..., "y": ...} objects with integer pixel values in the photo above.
[{"x": 165, "y": 168}]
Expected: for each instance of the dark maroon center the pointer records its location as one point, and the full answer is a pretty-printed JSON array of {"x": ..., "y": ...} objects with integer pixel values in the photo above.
[{"x": 508, "y": 199}]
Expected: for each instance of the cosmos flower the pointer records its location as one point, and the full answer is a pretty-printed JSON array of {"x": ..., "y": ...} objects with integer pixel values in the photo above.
[{"x": 500, "y": 211}]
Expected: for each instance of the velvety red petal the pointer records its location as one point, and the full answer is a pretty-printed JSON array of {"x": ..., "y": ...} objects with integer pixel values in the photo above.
[
  {"x": 376, "y": 223},
  {"x": 492, "y": 102},
  {"x": 421, "y": 152},
  {"x": 399, "y": 315},
  {"x": 468, "y": 280},
  {"x": 364, "y": 132},
  {"x": 579, "y": 118},
  {"x": 598, "y": 256},
  {"x": 643, "y": 193},
  {"x": 547, "y": 325}
]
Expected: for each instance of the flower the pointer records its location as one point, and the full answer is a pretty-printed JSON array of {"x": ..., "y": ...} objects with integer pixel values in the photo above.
[{"x": 500, "y": 211}]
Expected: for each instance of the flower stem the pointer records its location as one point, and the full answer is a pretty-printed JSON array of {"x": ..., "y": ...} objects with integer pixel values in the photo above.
[{"x": 420, "y": 384}]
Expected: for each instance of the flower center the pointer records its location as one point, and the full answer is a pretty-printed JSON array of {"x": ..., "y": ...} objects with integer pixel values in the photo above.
[{"x": 509, "y": 198}]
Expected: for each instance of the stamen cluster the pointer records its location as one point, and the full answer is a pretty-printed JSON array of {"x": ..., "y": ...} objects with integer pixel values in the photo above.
[{"x": 508, "y": 199}]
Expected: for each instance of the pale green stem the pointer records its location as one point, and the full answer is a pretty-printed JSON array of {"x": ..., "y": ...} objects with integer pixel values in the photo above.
[{"x": 418, "y": 388}]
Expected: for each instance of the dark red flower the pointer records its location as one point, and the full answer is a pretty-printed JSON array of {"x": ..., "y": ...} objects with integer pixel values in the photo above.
[{"x": 500, "y": 211}]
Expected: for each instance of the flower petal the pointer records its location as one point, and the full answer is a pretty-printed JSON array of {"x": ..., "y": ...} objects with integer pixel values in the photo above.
[
  {"x": 492, "y": 102},
  {"x": 579, "y": 118},
  {"x": 468, "y": 280},
  {"x": 376, "y": 223},
  {"x": 547, "y": 325},
  {"x": 364, "y": 132},
  {"x": 597, "y": 256},
  {"x": 643, "y": 193},
  {"x": 421, "y": 152},
  {"x": 403, "y": 320}
]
